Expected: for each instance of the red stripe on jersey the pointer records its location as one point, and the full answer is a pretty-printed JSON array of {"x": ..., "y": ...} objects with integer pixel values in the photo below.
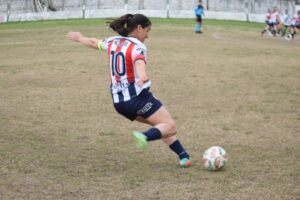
[
  {"x": 140, "y": 57},
  {"x": 119, "y": 47},
  {"x": 129, "y": 64}
]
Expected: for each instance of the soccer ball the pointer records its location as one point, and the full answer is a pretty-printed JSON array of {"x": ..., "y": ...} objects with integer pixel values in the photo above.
[{"x": 214, "y": 158}]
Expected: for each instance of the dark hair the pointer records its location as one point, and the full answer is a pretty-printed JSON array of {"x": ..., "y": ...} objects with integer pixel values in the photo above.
[{"x": 127, "y": 23}]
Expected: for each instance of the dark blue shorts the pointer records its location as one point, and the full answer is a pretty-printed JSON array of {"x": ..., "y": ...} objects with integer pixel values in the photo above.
[{"x": 144, "y": 105}]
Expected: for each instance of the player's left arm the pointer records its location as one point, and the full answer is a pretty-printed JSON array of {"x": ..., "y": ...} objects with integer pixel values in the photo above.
[
  {"x": 139, "y": 57},
  {"x": 86, "y": 41},
  {"x": 141, "y": 70}
]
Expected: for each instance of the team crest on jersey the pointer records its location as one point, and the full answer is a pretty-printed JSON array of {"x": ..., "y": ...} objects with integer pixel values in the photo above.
[{"x": 141, "y": 50}]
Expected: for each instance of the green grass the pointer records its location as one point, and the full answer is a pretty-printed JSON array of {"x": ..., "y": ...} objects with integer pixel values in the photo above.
[{"x": 100, "y": 22}]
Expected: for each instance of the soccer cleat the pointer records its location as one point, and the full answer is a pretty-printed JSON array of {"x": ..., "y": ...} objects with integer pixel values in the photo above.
[
  {"x": 270, "y": 34},
  {"x": 288, "y": 37},
  {"x": 140, "y": 139},
  {"x": 185, "y": 162}
]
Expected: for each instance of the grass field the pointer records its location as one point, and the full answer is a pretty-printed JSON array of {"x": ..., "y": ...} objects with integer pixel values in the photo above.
[{"x": 60, "y": 137}]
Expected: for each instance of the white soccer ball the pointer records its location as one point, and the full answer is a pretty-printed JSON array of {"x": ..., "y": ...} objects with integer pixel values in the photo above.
[{"x": 214, "y": 158}]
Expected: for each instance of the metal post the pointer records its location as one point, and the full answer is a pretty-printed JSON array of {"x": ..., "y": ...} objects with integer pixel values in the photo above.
[
  {"x": 141, "y": 4},
  {"x": 180, "y": 5},
  {"x": 207, "y": 5},
  {"x": 8, "y": 12},
  {"x": 26, "y": 6},
  {"x": 83, "y": 9},
  {"x": 46, "y": 5},
  {"x": 63, "y": 5},
  {"x": 168, "y": 8},
  {"x": 247, "y": 10},
  {"x": 126, "y": 5},
  {"x": 294, "y": 10},
  {"x": 99, "y": 4}
]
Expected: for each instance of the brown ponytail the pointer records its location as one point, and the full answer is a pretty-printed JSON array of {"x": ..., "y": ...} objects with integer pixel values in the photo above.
[{"x": 127, "y": 23}]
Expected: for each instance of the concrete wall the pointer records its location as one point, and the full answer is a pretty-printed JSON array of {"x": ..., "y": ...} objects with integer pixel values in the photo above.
[{"x": 252, "y": 10}]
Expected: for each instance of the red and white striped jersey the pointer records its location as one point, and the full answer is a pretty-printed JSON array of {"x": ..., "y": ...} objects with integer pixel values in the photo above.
[
  {"x": 122, "y": 54},
  {"x": 274, "y": 17},
  {"x": 267, "y": 17}
]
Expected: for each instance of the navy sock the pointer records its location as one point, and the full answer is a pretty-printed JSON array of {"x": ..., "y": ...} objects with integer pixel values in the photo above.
[
  {"x": 153, "y": 134},
  {"x": 179, "y": 150}
]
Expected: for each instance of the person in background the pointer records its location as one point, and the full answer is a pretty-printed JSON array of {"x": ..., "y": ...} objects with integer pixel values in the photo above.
[
  {"x": 274, "y": 21},
  {"x": 295, "y": 25},
  {"x": 268, "y": 23},
  {"x": 286, "y": 20},
  {"x": 278, "y": 22},
  {"x": 199, "y": 11}
]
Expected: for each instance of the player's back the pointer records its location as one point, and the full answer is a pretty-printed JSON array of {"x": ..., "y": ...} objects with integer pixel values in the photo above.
[{"x": 122, "y": 53}]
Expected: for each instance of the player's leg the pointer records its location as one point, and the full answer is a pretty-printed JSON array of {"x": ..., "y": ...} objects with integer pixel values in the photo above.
[
  {"x": 288, "y": 36},
  {"x": 265, "y": 29},
  {"x": 284, "y": 30},
  {"x": 163, "y": 121},
  {"x": 164, "y": 124},
  {"x": 278, "y": 28},
  {"x": 175, "y": 145},
  {"x": 197, "y": 27},
  {"x": 198, "y": 24},
  {"x": 293, "y": 32}
]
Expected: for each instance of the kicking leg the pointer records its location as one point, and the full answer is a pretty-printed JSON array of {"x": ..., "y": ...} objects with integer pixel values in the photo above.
[{"x": 164, "y": 128}]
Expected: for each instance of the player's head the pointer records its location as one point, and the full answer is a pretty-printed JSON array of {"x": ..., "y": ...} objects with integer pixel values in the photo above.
[{"x": 137, "y": 25}]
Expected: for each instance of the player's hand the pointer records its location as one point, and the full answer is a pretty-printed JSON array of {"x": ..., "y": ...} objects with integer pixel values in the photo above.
[
  {"x": 143, "y": 79},
  {"x": 74, "y": 36}
]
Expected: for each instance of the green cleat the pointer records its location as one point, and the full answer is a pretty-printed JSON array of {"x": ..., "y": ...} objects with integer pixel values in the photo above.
[
  {"x": 140, "y": 139},
  {"x": 185, "y": 162}
]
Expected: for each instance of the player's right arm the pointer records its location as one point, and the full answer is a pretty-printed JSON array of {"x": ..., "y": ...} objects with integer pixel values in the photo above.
[{"x": 87, "y": 41}]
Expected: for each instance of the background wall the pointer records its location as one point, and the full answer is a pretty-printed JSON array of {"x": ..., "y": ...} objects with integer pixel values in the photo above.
[{"x": 251, "y": 10}]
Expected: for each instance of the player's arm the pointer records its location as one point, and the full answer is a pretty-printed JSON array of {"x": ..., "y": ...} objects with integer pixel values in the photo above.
[
  {"x": 87, "y": 41},
  {"x": 141, "y": 70}
]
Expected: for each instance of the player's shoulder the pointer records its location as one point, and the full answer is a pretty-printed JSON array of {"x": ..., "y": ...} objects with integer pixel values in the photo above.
[
  {"x": 137, "y": 42},
  {"x": 134, "y": 40},
  {"x": 111, "y": 38}
]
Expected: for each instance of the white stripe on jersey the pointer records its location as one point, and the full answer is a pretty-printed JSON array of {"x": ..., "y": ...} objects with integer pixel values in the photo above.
[{"x": 123, "y": 52}]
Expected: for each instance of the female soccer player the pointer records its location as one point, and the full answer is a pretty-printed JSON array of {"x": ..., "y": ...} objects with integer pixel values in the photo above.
[
  {"x": 286, "y": 20},
  {"x": 130, "y": 83},
  {"x": 267, "y": 21}
]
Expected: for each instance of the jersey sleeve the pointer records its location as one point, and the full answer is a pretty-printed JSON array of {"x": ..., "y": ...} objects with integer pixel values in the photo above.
[
  {"x": 139, "y": 53},
  {"x": 103, "y": 44}
]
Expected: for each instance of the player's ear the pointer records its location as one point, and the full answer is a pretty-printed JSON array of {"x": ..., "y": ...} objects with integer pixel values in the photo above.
[{"x": 139, "y": 27}]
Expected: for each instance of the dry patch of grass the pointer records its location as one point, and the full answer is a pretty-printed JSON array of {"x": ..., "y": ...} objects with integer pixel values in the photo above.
[{"x": 61, "y": 138}]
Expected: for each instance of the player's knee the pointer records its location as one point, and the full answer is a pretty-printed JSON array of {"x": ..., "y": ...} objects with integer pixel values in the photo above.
[{"x": 173, "y": 128}]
